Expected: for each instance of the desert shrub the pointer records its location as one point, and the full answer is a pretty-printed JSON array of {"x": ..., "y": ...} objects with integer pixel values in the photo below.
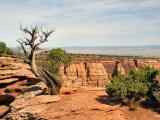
[
  {"x": 55, "y": 59},
  {"x": 4, "y": 49},
  {"x": 9, "y": 51},
  {"x": 58, "y": 57},
  {"x": 145, "y": 75},
  {"x": 133, "y": 86}
]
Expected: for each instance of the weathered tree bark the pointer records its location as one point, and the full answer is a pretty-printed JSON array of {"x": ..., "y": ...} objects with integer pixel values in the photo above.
[{"x": 38, "y": 36}]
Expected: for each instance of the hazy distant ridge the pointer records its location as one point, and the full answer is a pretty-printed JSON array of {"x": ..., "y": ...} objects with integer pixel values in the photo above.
[{"x": 147, "y": 51}]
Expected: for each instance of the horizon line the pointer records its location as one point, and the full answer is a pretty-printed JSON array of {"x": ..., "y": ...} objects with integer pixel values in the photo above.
[{"x": 98, "y": 46}]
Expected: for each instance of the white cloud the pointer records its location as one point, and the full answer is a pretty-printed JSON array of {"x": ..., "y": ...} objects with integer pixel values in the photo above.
[{"x": 81, "y": 22}]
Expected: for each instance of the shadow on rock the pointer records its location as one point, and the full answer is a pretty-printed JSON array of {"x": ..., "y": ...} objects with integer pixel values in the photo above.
[
  {"x": 3, "y": 85},
  {"x": 6, "y": 99},
  {"x": 149, "y": 104},
  {"x": 104, "y": 99}
]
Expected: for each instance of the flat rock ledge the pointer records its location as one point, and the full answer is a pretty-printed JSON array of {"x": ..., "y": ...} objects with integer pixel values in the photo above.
[
  {"x": 26, "y": 106},
  {"x": 3, "y": 110}
]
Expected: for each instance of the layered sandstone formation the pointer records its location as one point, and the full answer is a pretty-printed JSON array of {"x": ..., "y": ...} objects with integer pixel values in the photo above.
[
  {"x": 98, "y": 70},
  {"x": 92, "y": 74},
  {"x": 21, "y": 98},
  {"x": 87, "y": 73},
  {"x": 15, "y": 78}
]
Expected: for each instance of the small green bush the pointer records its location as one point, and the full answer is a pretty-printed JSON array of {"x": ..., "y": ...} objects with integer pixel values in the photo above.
[
  {"x": 133, "y": 86},
  {"x": 58, "y": 57},
  {"x": 55, "y": 59},
  {"x": 4, "y": 49},
  {"x": 9, "y": 51}
]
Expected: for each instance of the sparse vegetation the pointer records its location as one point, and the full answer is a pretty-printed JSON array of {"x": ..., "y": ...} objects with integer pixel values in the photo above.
[
  {"x": 132, "y": 87},
  {"x": 59, "y": 57},
  {"x": 4, "y": 49},
  {"x": 9, "y": 51},
  {"x": 54, "y": 59}
]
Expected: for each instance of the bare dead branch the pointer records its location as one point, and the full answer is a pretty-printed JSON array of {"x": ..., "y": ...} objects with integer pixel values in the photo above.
[
  {"x": 38, "y": 36},
  {"x": 25, "y": 30},
  {"x": 23, "y": 48}
]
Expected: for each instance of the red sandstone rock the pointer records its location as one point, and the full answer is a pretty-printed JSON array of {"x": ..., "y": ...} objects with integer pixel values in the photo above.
[
  {"x": 82, "y": 103},
  {"x": 23, "y": 104},
  {"x": 3, "y": 110},
  {"x": 99, "y": 74},
  {"x": 81, "y": 70}
]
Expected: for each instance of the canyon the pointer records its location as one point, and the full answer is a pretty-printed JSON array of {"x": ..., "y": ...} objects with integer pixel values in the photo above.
[
  {"x": 23, "y": 96},
  {"x": 99, "y": 73}
]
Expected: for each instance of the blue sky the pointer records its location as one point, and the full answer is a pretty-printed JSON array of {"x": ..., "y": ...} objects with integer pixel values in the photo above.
[{"x": 84, "y": 22}]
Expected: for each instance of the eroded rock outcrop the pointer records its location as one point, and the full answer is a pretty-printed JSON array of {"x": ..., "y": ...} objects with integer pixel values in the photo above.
[
  {"x": 100, "y": 73},
  {"x": 118, "y": 70},
  {"x": 26, "y": 106},
  {"x": 97, "y": 74},
  {"x": 31, "y": 103},
  {"x": 92, "y": 74},
  {"x": 15, "y": 79}
]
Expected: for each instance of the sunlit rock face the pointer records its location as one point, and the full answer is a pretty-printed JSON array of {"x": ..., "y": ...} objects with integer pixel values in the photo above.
[
  {"x": 98, "y": 70},
  {"x": 85, "y": 73},
  {"x": 94, "y": 73},
  {"x": 97, "y": 75},
  {"x": 100, "y": 73}
]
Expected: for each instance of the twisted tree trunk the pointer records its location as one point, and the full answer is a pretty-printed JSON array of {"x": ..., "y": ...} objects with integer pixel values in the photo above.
[{"x": 50, "y": 80}]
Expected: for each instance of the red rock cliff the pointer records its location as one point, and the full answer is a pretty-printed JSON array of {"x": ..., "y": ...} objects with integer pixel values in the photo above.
[{"x": 100, "y": 73}]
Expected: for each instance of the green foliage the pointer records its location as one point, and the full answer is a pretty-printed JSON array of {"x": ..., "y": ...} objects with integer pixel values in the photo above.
[
  {"x": 145, "y": 75},
  {"x": 55, "y": 59},
  {"x": 131, "y": 87},
  {"x": 126, "y": 87},
  {"x": 9, "y": 51},
  {"x": 4, "y": 49},
  {"x": 60, "y": 56},
  {"x": 53, "y": 68}
]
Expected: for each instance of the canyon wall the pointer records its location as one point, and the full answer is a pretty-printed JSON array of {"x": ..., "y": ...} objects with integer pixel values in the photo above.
[
  {"x": 100, "y": 73},
  {"x": 98, "y": 70}
]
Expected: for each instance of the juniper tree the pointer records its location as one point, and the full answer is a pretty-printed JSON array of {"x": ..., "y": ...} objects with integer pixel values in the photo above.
[
  {"x": 137, "y": 84},
  {"x": 34, "y": 36}
]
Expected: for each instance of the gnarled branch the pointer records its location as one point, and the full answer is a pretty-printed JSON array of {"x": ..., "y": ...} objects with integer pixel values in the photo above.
[
  {"x": 36, "y": 38},
  {"x": 23, "y": 48}
]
